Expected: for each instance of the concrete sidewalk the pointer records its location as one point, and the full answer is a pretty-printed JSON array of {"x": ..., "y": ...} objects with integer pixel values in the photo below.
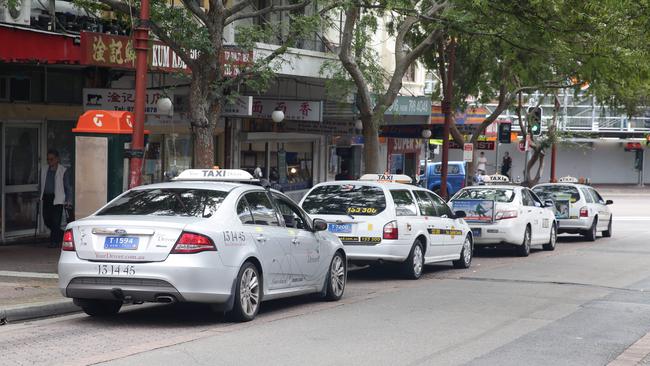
[{"x": 28, "y": 283}]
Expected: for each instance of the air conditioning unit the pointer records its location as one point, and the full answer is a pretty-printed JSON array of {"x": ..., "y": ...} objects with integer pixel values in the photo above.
[{"x": 16, "y": 13}]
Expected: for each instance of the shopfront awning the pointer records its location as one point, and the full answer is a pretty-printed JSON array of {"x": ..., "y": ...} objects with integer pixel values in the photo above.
[{"x": 35, "y": 46}]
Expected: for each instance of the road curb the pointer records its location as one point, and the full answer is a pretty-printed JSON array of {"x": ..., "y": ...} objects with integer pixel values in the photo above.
[{"x": 37, "y": 310}]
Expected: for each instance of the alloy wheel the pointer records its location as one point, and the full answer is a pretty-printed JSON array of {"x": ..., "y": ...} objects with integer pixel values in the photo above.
[
  {"x": 249, "y": 291},
  {"x": 337, "y": 276}
]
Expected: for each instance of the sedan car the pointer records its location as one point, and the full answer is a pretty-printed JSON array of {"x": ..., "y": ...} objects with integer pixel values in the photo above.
[
  {"x": 205, "y": 237},
  {"x": 507, "y": 214},
  {"x": 379, "y": 219},
  {"x": 579, "y": 209}
]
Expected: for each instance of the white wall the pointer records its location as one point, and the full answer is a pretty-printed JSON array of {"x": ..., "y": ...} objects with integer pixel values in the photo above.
[{"x": 603, "y": 161}]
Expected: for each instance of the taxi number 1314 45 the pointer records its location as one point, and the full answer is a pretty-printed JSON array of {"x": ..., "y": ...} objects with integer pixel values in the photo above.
[{"x": 115, "y": 270}]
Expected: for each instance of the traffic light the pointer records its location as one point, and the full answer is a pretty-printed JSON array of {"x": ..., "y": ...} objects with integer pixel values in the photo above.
[
  {"x": 504, "y": 132},
  {"x": 535, "y": 120}
]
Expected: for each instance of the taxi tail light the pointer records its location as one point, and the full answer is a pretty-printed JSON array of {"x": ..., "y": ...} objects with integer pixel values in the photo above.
[
  {"x": 189, "y": 243},
  {"x": 584, "y": 212},
  {"x": 68, "y": 241},
  {"x": 391, "y": 231},
  {"x": 502, "y": 215}
]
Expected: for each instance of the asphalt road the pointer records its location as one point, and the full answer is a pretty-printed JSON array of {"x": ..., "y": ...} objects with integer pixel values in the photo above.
[{"x": 582, "y": 304}]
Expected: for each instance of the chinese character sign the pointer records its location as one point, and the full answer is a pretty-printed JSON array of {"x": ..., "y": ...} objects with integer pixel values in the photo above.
[
  {"x": 294, "y": 110},
  {"x": 119, "y": 99}
]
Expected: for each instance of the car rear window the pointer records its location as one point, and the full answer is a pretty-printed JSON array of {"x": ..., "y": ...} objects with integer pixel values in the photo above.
[
  {"x": 493, "y": 194},
  {"x": 347, "y": 199},
  {"x": 167, "y": 202},
  {"x": 552, "y": 192},
  {"x": 451, "y": 169},
  {"x": 404, "y": 203}
]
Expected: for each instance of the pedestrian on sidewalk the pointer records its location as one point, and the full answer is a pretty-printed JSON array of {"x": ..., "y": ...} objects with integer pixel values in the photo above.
[
  {"x": 482, "y": 164},
  {"x": 56, "y": 193},
  {"x": 506, "y": 164}
]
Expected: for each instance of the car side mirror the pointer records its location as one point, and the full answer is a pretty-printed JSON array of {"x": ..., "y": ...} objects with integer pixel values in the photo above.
[
  {"x": 320, "y": 225},
  {"x": 609, "y": 202},
  {"x": 460, "y": 214},
  {"x": 549, "y": 203}
]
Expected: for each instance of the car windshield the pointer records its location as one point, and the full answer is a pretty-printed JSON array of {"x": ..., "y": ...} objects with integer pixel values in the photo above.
[
  {"x": 495, "y": 194},
  {"x": 167, "y": 202},
  {"x": 347, "y": 199},
  {"x": 557, "y": 191}
]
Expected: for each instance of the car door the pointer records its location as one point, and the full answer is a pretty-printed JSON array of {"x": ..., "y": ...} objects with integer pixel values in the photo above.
[
  {"x": 453, "y": 235},
  {"x": 433, "y": 224},
  {"x": 270, "y": 238},
  {"x": 529, "y": 214},
  {"x": 600, "y": 205},
  {"x": 305, "y": 246},
  {"x": 545, "y": 216},
  {"x": 534, "y": 210}
]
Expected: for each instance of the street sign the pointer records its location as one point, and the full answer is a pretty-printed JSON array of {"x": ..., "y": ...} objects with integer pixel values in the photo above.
[
  {"x": 468, "y": 152},
  {"x": 522, "y": 146}
]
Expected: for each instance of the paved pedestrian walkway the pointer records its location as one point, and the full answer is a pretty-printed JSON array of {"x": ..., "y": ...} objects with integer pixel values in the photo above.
[{"x": 29, "y": 282}]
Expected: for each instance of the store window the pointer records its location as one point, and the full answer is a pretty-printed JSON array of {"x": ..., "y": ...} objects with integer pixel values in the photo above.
[{"x": 287, "y": 165}]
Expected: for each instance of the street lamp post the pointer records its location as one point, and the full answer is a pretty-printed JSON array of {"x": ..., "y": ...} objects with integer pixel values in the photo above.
[
  {"x": 137, "y": 141},
  {"x": 426, "y": 134}
]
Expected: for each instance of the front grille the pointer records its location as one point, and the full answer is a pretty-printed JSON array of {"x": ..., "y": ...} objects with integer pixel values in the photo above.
[{"x": 117, "y": 281}]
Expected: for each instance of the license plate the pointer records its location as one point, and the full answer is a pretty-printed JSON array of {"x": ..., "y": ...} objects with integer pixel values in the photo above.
[
  {"x": 476, "y": 232},
  {"x": 339, "y": 228},
  {"x": 115, "y": 270},
  {"x": 121, "y": 242}
]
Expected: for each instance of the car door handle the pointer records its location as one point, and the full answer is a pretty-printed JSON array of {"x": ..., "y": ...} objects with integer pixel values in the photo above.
[
  {"x": 261, "y": 238},
  {"x": 295, "y": 241}
]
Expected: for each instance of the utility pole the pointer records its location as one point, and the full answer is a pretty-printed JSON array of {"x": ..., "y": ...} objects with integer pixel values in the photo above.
[
  {"x": 137, "y": 141},
  {"x": 446, "y": 109}
]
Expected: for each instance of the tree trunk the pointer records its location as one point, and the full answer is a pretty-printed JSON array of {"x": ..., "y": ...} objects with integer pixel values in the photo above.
[
  {"x": 201, "y": 122},
  {"x": 371, "y": 142}
]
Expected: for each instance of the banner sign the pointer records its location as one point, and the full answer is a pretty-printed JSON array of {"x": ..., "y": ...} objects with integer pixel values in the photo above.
[
  {"x": 480, "y": 145},
  {"x": 294, "y": 110},
  {"x": 475, "y": 210},
  {"x": 108, "y": 50},
  {"x": 120, "y": 99}
]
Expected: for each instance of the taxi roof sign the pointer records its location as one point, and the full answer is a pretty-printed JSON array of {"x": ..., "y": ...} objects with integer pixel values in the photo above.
[
  {"x": 495, "y": 178},
  {"x": 386, "y": 177},
  {"x": 216, "y": 175},
  {"x": 568, "y": 179}
]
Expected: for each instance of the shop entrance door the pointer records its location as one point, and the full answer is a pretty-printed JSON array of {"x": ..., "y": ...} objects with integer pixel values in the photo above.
[{"x": 20, "y": 182}]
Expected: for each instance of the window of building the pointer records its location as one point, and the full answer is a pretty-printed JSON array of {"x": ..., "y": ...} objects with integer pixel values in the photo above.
[{"x": 409, "y": 75}]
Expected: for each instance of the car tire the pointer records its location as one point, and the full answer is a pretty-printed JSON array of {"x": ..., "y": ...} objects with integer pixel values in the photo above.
[
  {"x": 523, "y": 250},
  {"x": 336, "y": 278},
  {"x": 414, "y": 264},
  {"x": 608, "y": 233},
  {"x": 100, "y": 308},
  {"x": 466, "y": 254},
  {"x": 248, "y": 293},
  {"x": 590, "y": 235},
  {"x": 552, "y": 240}
]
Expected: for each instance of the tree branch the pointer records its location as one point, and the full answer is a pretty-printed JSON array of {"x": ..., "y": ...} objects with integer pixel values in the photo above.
[
  {"x": 195, "y": 9},
  {"x": 236, "y": 8},
  {"x": 269, "y": 9},
  {"x": 350, "y": 64}
]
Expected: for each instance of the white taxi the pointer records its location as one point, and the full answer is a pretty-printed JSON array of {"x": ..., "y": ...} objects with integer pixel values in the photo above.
[
  {"x": 500, "y": 213},
  {"x": 579, "y": 209},
  {"x": 379, "y": 219},
  {"x": 205, "y": 237}
]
